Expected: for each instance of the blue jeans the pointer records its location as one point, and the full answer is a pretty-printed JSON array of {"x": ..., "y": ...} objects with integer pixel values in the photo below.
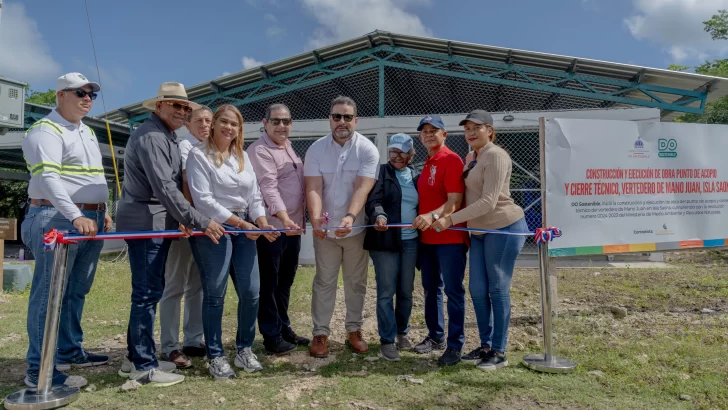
[
  {"x": 444, "y": 265},
  {"x": 235, "y": 254},
  {"x": 492, "y": 260},
  {"x": 147, "y": 258},
  {"x": 395, "y": 275},
  {"x": 80, "y": 270}
]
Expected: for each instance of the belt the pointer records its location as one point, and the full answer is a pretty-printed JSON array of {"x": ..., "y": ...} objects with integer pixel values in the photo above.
[{"x": 84, "y": 207}]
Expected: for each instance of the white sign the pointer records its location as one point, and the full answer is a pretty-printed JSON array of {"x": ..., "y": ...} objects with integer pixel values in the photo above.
[{"x": 621, "y": 186}]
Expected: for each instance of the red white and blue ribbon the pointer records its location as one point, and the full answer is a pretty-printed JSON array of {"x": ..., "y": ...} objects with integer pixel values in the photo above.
[
  {"x": 544, "y": 235},
  {"x": 53, "y": 237}
]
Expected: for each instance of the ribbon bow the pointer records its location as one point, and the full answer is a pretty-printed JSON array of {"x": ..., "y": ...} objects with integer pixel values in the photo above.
[
  {"x": 327, "y": 218},
  {"x": 544, "y": 235},
  {"x": 52, "y": 237}
]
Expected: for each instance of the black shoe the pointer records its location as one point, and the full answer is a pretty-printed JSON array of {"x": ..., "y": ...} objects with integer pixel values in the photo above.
[
  {"x": 195, "y": 351},
  {"x": 451, "y": 357},
  {"x": 291, "y": 337},
  {"x": 429, "y": 344},
  {"x": 476, "y": 354},
  {"x": 493, "y": 361},
  {"x": 279, "y": 347}
]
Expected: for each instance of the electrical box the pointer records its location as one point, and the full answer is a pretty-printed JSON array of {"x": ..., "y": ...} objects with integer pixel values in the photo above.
[{"x": 12, "y": 104}]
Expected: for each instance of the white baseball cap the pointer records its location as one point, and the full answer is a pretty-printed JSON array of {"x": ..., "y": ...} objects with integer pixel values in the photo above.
[{"x": 72, "y": 81}]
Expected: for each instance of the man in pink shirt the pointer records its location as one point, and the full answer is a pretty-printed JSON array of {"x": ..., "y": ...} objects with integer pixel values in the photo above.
[{"x": 280, "y": 175}]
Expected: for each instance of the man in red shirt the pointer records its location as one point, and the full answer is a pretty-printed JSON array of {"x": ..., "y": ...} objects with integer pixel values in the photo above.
[{"x": 443, "y": 254}]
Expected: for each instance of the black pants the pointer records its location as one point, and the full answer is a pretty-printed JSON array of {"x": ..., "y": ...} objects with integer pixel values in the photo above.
[{"x": 277, "y": 262}]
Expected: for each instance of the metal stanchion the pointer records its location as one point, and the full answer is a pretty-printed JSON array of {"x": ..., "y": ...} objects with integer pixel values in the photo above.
[
  {"x": 47, "y": 396},
  {"x": 547, "y": 362}
]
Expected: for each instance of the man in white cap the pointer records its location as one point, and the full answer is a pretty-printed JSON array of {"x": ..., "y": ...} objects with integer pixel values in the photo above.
[
  {"x": 67, "y": 191},
  {"x": 152, "y": 199}
]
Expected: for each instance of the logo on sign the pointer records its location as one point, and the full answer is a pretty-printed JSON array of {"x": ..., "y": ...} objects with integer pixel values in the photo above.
[
  {"x": 666, "y": 148},
  {"x": 639, "y": 150},
  {"x": 664, "y": 231}
]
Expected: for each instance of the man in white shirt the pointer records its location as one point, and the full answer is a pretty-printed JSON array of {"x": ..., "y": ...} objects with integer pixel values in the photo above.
[
  {"x": 67, "y": 191},
  {"x": 340, "y": 169},
  {"x": 181, "y": 276}
]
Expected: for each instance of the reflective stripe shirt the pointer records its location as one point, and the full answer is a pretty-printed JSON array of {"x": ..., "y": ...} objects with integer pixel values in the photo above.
[{"x": 65, "y": 164}]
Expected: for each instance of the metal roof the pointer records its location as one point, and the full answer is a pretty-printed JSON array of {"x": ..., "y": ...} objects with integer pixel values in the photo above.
[{"x": 715, "y": 86}]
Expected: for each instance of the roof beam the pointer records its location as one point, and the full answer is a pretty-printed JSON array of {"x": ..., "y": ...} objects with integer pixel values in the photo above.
[
  {"x": 509, "y": 57},
  {"x": 316, "y": 57},
  {"x": 215, "y": 87},
  {"x": 573, "y": 66},
  {"x": 706, "y": 88},
  {"x": 640, "y": 76},
  {"x": 264, "y": 72},
  {"x": 449, "y": 48},
  {"x": 371, "y": 41}
]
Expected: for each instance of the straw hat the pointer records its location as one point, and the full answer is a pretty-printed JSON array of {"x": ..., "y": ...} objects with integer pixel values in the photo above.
[{"x": 170, "y": 92}]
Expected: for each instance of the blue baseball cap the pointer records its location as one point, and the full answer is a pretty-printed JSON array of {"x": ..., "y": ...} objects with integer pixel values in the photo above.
[
  {"x": 433, "y": 120},
  {"x": 401, "y": 141}
]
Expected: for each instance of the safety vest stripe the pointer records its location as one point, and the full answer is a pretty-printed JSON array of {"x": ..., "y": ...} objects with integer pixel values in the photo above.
[{"x": 45, "y": 122}]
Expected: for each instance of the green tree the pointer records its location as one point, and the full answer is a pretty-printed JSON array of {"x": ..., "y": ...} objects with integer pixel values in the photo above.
[
  {"x": 47, "y": 98},
  {"x": 717, "y": 26},
  {"x": 717, "y": 111}
]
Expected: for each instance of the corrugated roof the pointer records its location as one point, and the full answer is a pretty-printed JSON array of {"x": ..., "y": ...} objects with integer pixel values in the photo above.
[{"x": 717, "y": 86}]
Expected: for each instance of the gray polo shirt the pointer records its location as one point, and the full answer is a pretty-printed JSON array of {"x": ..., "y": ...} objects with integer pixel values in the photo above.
[{"x": 152, "y": 192}]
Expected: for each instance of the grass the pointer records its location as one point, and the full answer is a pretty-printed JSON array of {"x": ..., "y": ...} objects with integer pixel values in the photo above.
[{"x": 665, "y": 347}]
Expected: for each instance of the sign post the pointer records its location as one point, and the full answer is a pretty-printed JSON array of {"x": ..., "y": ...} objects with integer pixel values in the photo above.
[
  {"x": 546, "y": 362},
  {"x": 45, "y": 395}
]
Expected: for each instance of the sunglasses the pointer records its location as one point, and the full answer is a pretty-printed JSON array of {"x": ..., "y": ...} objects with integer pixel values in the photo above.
[
  {"x": 402, "y": 154},
  {"x": 279, "y": 121},
  {"x": 81, "y": 93},
  {"x": 177, "y": 106},
  {"x": 346, "y": 117},
  {"x": 471, "y": 165}
]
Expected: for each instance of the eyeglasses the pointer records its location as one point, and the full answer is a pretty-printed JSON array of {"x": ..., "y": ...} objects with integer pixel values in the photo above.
[
  {"x": 177, "y": 106},
  {"x": 471, "y": 165},
  {"x": 401, "y": 154},
  {"x": 278, "y": 121},
  {"x": 81, "y": 93},
  {"x": 346, "y": 117}
]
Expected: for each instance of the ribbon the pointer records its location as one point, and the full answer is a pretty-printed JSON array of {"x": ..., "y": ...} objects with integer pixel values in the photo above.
[
  {"x": 54, "y": 236},
  {"x": 541, "y": 235},
  {"x": 544, "y": 235}
]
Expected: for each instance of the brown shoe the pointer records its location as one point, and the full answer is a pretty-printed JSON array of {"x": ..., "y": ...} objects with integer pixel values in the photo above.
[
  {"x": 179, "y": 359},
  {"x": 318, "y": 347},
  {"x": 357, "y": 343}
]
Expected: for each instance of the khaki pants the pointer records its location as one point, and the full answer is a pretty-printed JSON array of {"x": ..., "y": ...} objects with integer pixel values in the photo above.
[
  {"x": 181, "y": 278},
  {"x": 331, "y": 255}
]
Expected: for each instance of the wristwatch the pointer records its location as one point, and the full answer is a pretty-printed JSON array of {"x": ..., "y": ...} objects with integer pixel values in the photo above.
[{"x": 435, "y": 216}]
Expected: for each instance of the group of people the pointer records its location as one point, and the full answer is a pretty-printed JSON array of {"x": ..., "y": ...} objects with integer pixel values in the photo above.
[{"x": 209, "y": 182}]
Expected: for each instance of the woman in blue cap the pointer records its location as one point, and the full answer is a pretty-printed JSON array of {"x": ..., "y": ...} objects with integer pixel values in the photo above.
[{"x": 394, "y": 200}]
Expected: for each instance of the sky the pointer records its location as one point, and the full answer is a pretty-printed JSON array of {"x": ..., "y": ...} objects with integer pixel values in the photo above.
[{"x": 140, "y": 44}]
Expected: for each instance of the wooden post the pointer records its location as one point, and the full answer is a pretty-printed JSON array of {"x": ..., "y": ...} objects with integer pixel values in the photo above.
[
  {"x": 8, "y": 230},
  {"x": 552, "y": 261}
]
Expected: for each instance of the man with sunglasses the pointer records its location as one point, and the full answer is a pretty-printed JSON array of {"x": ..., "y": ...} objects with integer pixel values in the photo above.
[
  {"x": 67, "y": 191},
  {"x": 152, "y": 199},
  {"x": 280, "y": 176},
  {"x": 340, "y": 169}
]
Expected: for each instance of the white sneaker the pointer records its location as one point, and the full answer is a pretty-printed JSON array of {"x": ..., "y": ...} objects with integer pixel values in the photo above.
[
  {"x": 247, "y": 360},
  {"x": 126, "y": 367},
  {"x": 156, "y": 377},
  {"x": 71, "y": 381}
]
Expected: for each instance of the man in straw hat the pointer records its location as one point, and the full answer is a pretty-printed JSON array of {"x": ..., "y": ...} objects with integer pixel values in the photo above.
[{"x": 152, "y": 199}]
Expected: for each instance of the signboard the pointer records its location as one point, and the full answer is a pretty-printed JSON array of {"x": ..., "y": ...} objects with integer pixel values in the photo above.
[
  {"x": 8, "y": 229},
  {"x": 621, "y": 186}
]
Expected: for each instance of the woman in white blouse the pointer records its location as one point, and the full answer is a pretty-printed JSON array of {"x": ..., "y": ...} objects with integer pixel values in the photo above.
[{"x": 224, "y": 188}]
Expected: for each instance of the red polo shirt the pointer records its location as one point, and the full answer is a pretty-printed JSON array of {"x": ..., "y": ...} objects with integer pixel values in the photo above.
[{"x": 441, "y": 174}]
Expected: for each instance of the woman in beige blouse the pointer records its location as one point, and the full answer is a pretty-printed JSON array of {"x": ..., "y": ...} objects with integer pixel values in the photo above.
[{"x": 492, "y": 256}]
